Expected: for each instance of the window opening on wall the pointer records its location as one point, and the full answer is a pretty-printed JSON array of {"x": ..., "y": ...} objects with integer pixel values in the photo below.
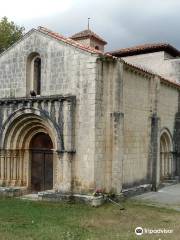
[{"x": 33, "y": 80}]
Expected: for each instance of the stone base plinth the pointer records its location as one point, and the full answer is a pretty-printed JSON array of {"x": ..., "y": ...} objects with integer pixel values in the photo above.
[
  {"x": 136, "y": 190},
  {"x": 57, "y": 196},
  {"x": 12, "y": 191}
]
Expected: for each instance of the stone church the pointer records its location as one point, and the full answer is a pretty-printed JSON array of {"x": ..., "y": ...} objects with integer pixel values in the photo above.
[{"x": 75, "y": 119}]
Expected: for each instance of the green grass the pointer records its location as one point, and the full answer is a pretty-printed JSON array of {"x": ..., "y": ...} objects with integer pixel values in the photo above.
[{"x": 25, "y": 220}]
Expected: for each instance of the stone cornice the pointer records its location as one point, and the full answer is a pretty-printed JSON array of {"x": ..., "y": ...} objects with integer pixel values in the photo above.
[{"x": 51, "y": 98}]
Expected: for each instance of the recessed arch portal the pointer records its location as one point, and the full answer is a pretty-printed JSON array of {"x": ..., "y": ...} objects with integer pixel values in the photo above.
[
  {"x": 23, "y": 124},
  {"x": 21, "y": 160},
  {"x": 166, "y": 157}
]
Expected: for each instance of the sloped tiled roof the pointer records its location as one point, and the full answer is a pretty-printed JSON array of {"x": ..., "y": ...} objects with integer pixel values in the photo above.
[
  {"x": 68, "y": 40},
  {"x": 88, "y": 33},
  {"x": 92, "y": 50},
  {"x": 146, "y": 48}
]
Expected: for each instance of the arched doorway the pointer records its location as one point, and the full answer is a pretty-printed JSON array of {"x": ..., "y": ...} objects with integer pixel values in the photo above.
[
  {"x": 166, "y": 157},
  {"x": 41, "y": 162}
]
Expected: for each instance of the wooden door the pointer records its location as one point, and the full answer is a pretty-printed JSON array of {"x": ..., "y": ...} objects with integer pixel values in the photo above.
[{"x": 41, "y": 163}]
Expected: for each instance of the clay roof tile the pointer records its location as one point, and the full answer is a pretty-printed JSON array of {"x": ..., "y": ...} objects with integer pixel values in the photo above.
[
  {"x": 146, "y": 48},
  {"x": 86, "y": 34},
  {"x": 68, "y": 40}
]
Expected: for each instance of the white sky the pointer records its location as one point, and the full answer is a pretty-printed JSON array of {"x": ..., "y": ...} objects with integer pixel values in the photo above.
[{"x": 24, "y": 10}]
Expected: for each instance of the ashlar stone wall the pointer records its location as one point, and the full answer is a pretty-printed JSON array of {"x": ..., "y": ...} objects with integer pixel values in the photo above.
[
  {"x": 161, "y": 63},
  {"x": 119, "y": 113},
  {"x": 65, "y": 70},
  {"x": 137, "y": 106},
  {"x": 168, "y": 107}
]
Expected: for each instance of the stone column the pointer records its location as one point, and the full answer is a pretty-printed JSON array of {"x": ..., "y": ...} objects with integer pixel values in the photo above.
[
  {"x": 5, "y": 166},
  {"x": 26, "y": 168},
  {"x": 20, "y": 167},
  {"x": 8, "y": 168},
  {"x": 2, "y": 157},
  {"x": 14, "y": 167}
]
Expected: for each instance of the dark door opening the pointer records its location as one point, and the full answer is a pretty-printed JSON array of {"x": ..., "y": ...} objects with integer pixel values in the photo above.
[{"x": 41, "y": 162}]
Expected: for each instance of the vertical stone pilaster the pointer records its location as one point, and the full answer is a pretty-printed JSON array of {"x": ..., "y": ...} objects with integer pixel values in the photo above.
[
  {"x": 176, "y": 139},
  {"x": 117, "y": 119},
  {"x": 68, "y": 139},
  {"x": 63, "y": 172},
  {"x": 117, "y": 123},
  {"x": 155, "y": 135},
  {"x": 155, "y": 151},
  {"x": 68, "y": 130},
  {"x": 67, "y": 173}
]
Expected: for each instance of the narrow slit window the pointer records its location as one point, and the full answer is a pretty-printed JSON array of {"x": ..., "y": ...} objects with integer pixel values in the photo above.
[{"x": 37, "y": 75}]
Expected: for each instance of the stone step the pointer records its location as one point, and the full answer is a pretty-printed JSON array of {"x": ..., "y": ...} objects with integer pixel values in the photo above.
[
  {"x": 53, "y": 196},
  {"x": 31, "y": 197},
  {"x": 12, "y": 191},
  {"x": 168, "y": 182}
]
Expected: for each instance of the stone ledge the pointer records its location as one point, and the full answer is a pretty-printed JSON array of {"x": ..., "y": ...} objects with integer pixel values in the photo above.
[
  {"x": 169, "y": 182},
  {"x": 56, "y": 197},
  {"x": 16, "y": 100},
  {"x": 12, "y": 191},
  {"x": 137, "y": 190}
]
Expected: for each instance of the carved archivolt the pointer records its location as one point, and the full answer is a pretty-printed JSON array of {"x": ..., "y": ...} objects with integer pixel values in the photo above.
[{"x": 22, "y": 119}]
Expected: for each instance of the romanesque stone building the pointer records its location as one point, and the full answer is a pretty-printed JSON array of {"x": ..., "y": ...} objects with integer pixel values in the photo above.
[{"x": 76, "y": 119}]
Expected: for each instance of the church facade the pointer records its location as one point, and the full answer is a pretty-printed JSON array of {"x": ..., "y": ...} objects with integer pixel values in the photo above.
[{"x": 76, "y": 119}]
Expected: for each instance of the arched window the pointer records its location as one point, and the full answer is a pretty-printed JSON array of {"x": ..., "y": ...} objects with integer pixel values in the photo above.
[
  {"x": 166, "y": 157},
  {"x": 33, "y": 79}
]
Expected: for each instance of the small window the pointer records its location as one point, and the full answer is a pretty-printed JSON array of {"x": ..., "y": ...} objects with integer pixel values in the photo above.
[
  {"x": 37, "y": 75},
  {"x": 97, "y": 47},
  {"x": 33, "y": 79}
]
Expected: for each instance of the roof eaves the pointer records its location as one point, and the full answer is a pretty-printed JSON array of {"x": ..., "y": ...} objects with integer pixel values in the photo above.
[
  {"x": 146, "y": 48},
  {"x": 169, "y": 82}
]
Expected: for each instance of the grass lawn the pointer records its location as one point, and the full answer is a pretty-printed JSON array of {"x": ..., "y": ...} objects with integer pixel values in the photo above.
[{"x": 25, "y": 220}]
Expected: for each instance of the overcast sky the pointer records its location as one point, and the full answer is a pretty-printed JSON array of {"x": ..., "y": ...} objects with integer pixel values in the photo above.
[{"x": 122, "y": 23}]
